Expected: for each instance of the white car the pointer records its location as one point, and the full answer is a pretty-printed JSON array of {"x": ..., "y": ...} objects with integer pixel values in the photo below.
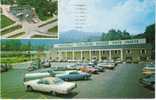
[
  {"x": 50, "y": 84},
  {"x": 108, "y": 64}
]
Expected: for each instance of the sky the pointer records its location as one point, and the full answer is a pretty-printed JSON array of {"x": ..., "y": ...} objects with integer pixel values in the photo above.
[{"x": 103, "y": 15}]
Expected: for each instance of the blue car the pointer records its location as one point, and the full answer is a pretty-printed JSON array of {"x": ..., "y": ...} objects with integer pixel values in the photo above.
[
  {"x": 74, "y": 75},
  {"x": 148, "y": 81}
]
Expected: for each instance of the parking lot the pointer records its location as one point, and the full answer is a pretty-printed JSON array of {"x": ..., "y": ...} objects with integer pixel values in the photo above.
[{"x": 122, "y": 82}]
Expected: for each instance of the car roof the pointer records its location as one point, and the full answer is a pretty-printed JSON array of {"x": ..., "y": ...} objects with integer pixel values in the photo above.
[
  {"x": 150, "y": 65},
  {"x": 37, "y": 74},
  {"x": 72, "y": 71},
  {"x": 48, "y": 78}
]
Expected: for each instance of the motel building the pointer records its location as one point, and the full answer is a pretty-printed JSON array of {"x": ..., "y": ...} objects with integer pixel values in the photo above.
[{"x": 134, "y": 49}]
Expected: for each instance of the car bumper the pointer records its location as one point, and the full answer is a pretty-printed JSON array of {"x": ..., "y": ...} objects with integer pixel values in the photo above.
[{"x": 69, "y": 90}]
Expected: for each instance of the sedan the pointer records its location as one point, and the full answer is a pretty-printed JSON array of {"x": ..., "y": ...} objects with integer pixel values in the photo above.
[
  {"x": 149, "y": 69},
  {"x": 148, "y": 81},
  {"x": 72, "y": 67},
  {"x": 108, "y": 64},
  {"x": 51, "y": 85},
  {"x": 46, "y": 64},
  {"x": 89, "y": 69},
  {"x": 100, "y": 69},
  {"x": 74, "y": 75}
]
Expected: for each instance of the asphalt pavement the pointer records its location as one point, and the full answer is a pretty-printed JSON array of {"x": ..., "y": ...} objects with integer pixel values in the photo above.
[{"x": 122, "y": 82}]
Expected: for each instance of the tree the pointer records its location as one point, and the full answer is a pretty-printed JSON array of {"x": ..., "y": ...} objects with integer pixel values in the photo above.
[
  {"x": 125, "y": 35},
  {"x": 40, "y": 52},
  {"x": 115, "y": 35},
  {"x": 150, "y": 34},
  {"x": 43, "y": 8},
  {"x": 150, "y": 37},
  {"x": 11, "y": 45}
]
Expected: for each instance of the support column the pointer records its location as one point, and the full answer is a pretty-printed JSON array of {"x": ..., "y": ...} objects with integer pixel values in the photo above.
[
  {"x": 81, "y": 55},
  {"x": 99, "y": 55},
  {"x": 90, "y": 55},
  {"x": 66, "y": 55},
  {"x": 110, "y": 55},
  {"x": 73, "y": 56},
  {"x": 121, "y": 54},
  {"x": 59, "y": 55}
]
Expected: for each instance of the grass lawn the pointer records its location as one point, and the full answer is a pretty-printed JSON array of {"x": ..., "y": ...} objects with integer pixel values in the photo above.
[
  {"x": 11, "y": 60},
  {"x": 17, "y": 35},
  {"x": 11, "y": 29},
  {"x": 53, "y": 30},
  {"x": 44, "y": 18},
  {"x": 5, "y": 21}
]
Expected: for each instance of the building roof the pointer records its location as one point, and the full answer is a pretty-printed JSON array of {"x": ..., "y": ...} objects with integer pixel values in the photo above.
[
  {"x": 130, "y": 43},
  {"x": 101, "y": 43},
  {"x": 146, "y": 46}
]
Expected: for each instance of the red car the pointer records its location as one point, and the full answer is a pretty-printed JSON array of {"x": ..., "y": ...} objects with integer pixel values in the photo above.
[{"x": 89, "y": 69}]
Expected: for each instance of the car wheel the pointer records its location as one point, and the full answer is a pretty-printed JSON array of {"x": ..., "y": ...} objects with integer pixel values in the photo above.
[
  {"x": 53, "y": 93},
  {"x": 29, "y": 88},
  {"x": 66, "y": 79},
  {"x": 85, "y": 77}
]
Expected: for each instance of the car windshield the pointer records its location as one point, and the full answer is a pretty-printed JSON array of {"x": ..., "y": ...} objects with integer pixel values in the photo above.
[
  {"x": 73, "y": 73},
  {"x": 58, "y": 81}
]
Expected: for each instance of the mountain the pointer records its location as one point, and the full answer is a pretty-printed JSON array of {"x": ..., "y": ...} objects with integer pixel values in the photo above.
[
  {"x": 67, "y": 37},
  {"x": 78, "y": 36}
]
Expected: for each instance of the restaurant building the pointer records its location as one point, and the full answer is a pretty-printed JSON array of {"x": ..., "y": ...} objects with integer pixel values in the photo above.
[{"x": 132, "y": 49}]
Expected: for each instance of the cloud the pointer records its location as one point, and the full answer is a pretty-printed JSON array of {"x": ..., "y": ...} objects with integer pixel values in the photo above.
[{"x": 132, "y": 15}]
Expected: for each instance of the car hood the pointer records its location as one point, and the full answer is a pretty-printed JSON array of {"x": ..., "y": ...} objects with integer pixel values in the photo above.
[
  {"x": 67, "y": 85},
  {"x": 31, "y": 81}
]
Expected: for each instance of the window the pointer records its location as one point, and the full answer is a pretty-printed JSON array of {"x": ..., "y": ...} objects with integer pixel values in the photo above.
[
  {"x": 73, "y": 73},
  {"x": 46, "y": 82},
  {"x": 116, "y": 51},
  {"x": 128, "y": 51},
  {"x": 143, "y": 51},
  {"x": 94, "y": 52}
]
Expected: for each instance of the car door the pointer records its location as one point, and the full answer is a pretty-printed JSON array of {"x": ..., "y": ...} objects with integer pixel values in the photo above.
[
  {"x": 74, "y": 75},
  {"x": 42, "y": 85}
]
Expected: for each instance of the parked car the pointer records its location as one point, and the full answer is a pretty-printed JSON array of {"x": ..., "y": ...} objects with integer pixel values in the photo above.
[
  {"x": 149, "y": 69},
  {"x": 32, "y": 67},
  {"x": 48, "y": 70},
  {"x": 89, "y": 69},
  {"x": 51, "y": 85},
  {"x": 5, "y": 67},
  {"x": 148, "y": 81},
  {"x": 46, "y": 64},
  {"x": 36, "y": 75},
  {"x": 128, "y": 60},
  {"x": 75, "y": 66},
  {"x": 107, "y": 64},
  {"x": 91, "y": 64},
  {"x": 100, "y": 69},
  {"x": 118, "y": 61},
  {"x": 72, "y": 67},
  {"x": 58, "y": 68},
  {"x": 74, "y": 75}
]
